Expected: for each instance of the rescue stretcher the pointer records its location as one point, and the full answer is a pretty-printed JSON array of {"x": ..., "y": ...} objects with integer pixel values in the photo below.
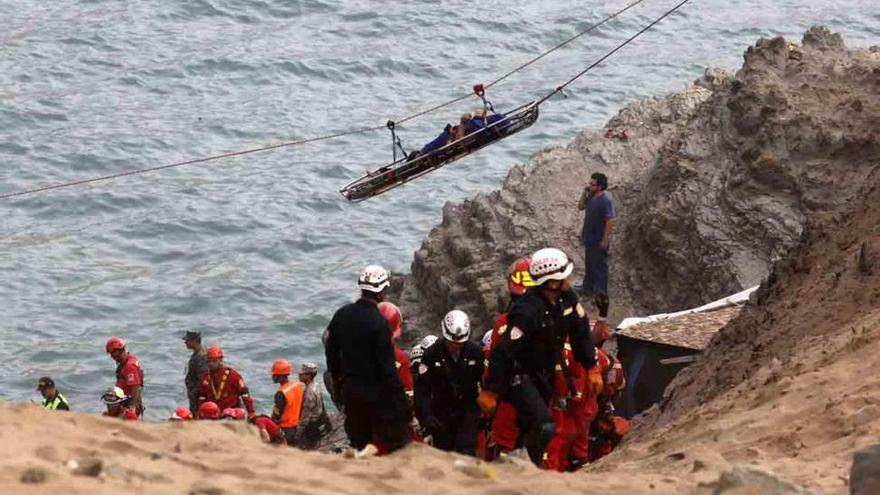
[{"x": 401, "y": 171}]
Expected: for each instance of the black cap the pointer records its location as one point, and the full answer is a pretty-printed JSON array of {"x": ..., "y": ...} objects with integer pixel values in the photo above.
[
  {"x": 45, "y": 382},
  {"x": 191, "y": 335}
]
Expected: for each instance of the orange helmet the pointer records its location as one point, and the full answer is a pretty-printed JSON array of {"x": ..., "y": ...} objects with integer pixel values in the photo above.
[
  {"x": 519, "y": 280},
  {"x": 181, "y": 414},
  {"x": 214, "y": 352},
  {"x": 114, "y": 343},
  {"x": 393, "y": 316},
  {"x": 209, "y": 410},
  {"x": 280, "y": 367}
]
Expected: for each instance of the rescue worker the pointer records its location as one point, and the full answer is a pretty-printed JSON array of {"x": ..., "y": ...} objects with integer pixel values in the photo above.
[
  {"x": 119, "y": 405},
  {"x": 314, "y": 424},
  {"x": 361, "y": 361},
  {"x": 52, "y": 398},
  {"x": 449, "y": 380},
  {"x": 504, "y": 430},
  {"x": 608, "y": 428},
  {"x": 223, "y": 385},
  {"x": 523, "y": 362},
  {"x": 573, "y": 408},
  {"x": 129, "y": 376},
  {"x": 288, "y": 400},
  {"x": 394, "y": 317},
  {"x": 195, "y": 368},
  {"x": 181, "y": 414},
  {"x": 209, "y": 410}
]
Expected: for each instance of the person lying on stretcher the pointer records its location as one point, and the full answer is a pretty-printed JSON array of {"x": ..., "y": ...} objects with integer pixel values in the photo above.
[{"x": 467, "y": 124}]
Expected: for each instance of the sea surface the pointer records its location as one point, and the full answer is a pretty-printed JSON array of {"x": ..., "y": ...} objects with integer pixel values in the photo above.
[{"x": 258, "y": 251}]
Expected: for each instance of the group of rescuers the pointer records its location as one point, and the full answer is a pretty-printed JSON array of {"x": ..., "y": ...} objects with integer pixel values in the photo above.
[
  {"x": 538, "y": 379},
  {"x": 216, "y": 392}
]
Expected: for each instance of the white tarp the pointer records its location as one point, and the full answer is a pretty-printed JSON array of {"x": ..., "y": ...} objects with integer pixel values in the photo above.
[{"x": 737, "y": 299}]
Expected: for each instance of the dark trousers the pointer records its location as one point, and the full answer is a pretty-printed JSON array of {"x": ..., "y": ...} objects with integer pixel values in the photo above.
[
  {"x": 531, "y": 401},
  {"x": 459, "y": 432},
  {"x": 596, "y": 271},
  {"x": 366, "y": 418}
]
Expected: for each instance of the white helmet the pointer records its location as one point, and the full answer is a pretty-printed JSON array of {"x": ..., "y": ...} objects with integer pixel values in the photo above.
[
  {"x": 550, "y": 264},
  {"x": 428, "y": 341},
  {"x": 374, "y": 278},
  {"x": 456, "y": 326}
]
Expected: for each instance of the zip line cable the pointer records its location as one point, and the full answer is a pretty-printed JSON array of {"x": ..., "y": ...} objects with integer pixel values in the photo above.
[
  {"x": 361, "y": 130},
  {"x": 612, "y": 52}
]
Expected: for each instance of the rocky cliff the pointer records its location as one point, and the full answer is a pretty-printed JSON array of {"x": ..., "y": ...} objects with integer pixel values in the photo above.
[{"x": 712, "y": 186}]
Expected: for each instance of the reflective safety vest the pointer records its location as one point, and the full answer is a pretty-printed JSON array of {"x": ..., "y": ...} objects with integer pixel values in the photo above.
[
  {"x": 54, "y": 403},
  {"x": 293, "y": 398}
]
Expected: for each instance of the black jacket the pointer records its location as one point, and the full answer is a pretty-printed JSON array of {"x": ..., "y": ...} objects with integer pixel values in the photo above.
[
  {"x": 535, "y": 336},
  {"x": 447, "y": 387},
  {"x": 360, "y": 357}
]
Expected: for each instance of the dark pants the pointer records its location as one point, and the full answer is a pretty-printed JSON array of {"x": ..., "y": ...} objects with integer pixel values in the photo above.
[
  {"x": 596, "y": 271},
  {"x": 289, "y": 435},
  {"x": 533, "y": 414},
  {"x": 366, "y": 418},
  {"x": 459, "y": 433}
]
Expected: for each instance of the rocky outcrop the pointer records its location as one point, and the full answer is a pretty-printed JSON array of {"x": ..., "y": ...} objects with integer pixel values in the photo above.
[{"x": 713, "y": 185}]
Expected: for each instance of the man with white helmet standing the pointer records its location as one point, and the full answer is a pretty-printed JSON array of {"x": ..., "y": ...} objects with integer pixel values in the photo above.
[
  {"x": 360, "y": 359},
  {"x": 523, "y": 362},
  {"x": 449, "y": 380}
]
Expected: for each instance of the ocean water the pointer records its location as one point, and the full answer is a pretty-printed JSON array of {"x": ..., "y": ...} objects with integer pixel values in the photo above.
[{"x": 258, "y": 251}]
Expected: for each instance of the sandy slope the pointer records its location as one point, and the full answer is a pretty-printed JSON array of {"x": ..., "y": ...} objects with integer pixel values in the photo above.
[{"x": 212, "y": 458}]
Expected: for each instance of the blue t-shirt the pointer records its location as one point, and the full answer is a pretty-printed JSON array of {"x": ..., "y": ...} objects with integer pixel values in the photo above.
[{"x": 597, "y": 210}]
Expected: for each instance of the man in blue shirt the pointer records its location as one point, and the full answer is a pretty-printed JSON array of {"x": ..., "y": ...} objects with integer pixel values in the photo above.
[{"x": 596, "y": 237}]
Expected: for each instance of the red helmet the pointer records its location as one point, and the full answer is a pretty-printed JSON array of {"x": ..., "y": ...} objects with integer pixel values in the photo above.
[
  {"x": 518, "y": 279},
  {"x": 280, "y": 367},
  {"x": 393, "y": 316},
  {"x": 181, "y": 414},
  {"x": 234, "y": 413},
  {"x": 214, "y": 352},
  {"x": 114, "y": 343},
  {"x": 209, "y": 410}
]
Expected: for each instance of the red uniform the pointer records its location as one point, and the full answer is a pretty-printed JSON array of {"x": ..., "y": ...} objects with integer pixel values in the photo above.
[
  {"x": 129, "y": 376},
  {"x": 125, "y": 413},
  {"x": 504, "y": 428},
  {"x": 608, "y": 429},
  {"x": 404, "y": 372},
  {"x": 226, "y": 388},
  {"x": 271, "y": 428},
  {"x": 573, "y": 421}
]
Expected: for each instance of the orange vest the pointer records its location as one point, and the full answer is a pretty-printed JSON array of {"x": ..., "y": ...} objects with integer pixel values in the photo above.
[{"x": 293, "y": 399}]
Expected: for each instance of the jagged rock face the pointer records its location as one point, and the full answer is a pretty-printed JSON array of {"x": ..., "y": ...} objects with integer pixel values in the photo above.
[
  {"x": 714, "y": 184},
  {"x": 818, "y": 145}
]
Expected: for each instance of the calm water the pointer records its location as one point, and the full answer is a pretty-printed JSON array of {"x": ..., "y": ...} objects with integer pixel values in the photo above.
[{"x": 258, "y": 251}]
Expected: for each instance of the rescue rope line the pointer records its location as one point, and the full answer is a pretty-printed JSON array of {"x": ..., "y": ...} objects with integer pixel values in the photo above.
[
  {"x": 324, "y": 137},
  {"x": 612, "y": 52}
]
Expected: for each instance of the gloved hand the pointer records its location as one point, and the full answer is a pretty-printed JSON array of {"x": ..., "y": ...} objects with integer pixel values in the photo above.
[
  {"x": 251, "y": 416},
  {"x": 487, "y": 401},
  {"x": 433, "y": 424},
  {"x": 595, "y": 381}
]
